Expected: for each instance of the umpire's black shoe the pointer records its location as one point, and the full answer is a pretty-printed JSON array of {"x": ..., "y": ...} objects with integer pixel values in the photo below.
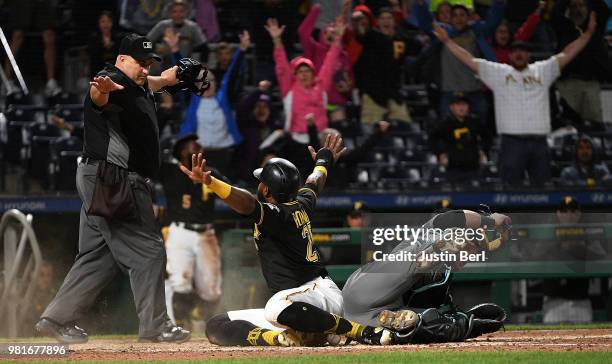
[
  {"x": 170, "y": 334},
  {"x": 66, "y": 334}
]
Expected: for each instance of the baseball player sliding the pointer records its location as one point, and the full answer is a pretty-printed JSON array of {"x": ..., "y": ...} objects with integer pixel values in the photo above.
[{"x": 305, "y": 299}]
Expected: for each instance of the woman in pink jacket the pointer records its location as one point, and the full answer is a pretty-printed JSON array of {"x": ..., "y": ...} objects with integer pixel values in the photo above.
[
  {"x": 303, "y": 90},
  {"x": 339, "y": 91}
]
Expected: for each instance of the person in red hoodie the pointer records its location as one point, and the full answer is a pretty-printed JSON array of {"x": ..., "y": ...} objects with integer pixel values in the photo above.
[
  {"x": 502, "y": 38},
  {"x": 362, "y": 17},
  {"x": 304, "y": 91},
  {"x": 339, "y": 91}
]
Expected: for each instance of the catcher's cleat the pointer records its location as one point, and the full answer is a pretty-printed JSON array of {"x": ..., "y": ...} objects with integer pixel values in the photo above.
[
  {"x": 170, "y": 334},
  {"x": 401, "y": 321},
  {"x": 66, "y": 334},
  {"x": 375, "y": 336}
]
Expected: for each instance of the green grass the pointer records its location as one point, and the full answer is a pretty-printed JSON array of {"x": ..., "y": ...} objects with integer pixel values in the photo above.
[
  {"x": 599, "y": 325},
  {"x": 419, "y": 358}
]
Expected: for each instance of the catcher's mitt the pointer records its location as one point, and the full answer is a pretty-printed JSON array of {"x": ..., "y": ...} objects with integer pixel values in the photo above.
[{"x": 192, "y": 76}]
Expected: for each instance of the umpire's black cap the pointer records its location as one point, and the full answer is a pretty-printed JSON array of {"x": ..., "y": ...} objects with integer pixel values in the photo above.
[
  {"x": 138, "y": 47},
  {"x": 282, "y": 178}
]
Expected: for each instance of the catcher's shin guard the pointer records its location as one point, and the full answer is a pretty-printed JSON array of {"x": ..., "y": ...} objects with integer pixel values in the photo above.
[
  {"x": 488, "y": 318},
  {"x": 436, "y": 327}
]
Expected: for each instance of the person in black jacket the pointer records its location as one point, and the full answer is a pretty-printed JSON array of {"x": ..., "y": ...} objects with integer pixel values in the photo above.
[
  {"x": 256, "y": 120},
  {"x": 379, "y": 70},
  {"x": 103, "y": 45},
  {"x": 459, "y": 141}
]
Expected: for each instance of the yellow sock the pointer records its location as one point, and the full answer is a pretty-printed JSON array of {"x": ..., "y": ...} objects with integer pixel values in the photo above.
[
  {"x": 270, "y": 337},
  {"x": 356, "y": 330}
]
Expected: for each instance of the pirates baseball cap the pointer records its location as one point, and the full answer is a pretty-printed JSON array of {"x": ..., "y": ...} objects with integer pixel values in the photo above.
[
  {"x": 568, "y": 203},
  {"x": 359, "y": 208},
  {"x": 459, "y": 97},
  {"x": 181, "y": 142},
  {"x": 138, "y": 47}
]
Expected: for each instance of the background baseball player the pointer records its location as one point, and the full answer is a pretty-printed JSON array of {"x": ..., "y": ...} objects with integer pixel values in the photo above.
[
  {"x": 391, "y": 293},
  {"x": 192, "y": 248},
  {"x": 305, "y": 298}
]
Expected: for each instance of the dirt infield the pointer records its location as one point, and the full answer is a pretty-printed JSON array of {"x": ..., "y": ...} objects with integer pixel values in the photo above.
[{"x": 199, "y": 348}]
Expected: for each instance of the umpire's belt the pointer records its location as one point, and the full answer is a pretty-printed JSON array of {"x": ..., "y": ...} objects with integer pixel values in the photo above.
[{"x": 200, "y": 228}]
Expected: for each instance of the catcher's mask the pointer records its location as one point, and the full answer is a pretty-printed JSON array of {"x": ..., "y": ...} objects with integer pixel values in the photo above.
[{"x": 201, "y": 84}]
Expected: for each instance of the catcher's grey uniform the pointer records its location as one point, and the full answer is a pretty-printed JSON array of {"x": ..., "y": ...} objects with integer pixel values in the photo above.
[{"x": 384, "y": 285}]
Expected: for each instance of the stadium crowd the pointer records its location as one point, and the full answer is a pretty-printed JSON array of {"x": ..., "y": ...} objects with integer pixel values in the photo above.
[{"x": 286, "y": 72}]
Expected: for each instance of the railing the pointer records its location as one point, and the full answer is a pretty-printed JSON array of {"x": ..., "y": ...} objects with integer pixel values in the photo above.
[{"x": 19, "y": 275}]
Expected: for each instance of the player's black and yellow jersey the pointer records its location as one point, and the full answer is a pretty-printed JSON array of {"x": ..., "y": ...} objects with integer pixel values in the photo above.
[{"x": 283, "y": 238}]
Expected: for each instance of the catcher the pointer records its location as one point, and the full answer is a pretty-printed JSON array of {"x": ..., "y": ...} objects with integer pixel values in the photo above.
[
  {"x": 412, "y": 297},
  {"x": 305, "y": 299}
]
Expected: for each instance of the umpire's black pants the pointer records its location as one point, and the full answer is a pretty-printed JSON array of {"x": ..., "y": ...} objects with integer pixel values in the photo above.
[{"x": 133, "y": 246}]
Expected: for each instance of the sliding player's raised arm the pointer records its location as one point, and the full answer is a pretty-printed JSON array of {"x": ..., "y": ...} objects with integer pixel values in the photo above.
[
  {"x": 238, "y": 199},
  {"x": 325, "y": 159}
]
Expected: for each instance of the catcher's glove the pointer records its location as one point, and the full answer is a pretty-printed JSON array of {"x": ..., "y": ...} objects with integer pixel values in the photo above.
[
  {"x": 192, "y": 76},
  {"x": 502, "y": 233}
]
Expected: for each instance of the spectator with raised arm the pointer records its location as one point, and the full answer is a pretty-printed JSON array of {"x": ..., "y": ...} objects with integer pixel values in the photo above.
[
  {"x": 580, "y": 82},
  {"x": 211, "y": 117},
  {"x": 224, "y": 58},
  {"x": 380, "y": 68},
  {"x": 503, "y": 37},
  {"x": 304, "y": 91},
  {"x": 188, "y": 32},
  {"x": 522, "y": 105},
  {"x": 339, "y": 90},
  {"x": 455, "y": 77}
]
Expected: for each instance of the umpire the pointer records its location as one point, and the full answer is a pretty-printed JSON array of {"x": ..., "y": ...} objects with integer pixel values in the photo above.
[{"x": 117, "y": 230}]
